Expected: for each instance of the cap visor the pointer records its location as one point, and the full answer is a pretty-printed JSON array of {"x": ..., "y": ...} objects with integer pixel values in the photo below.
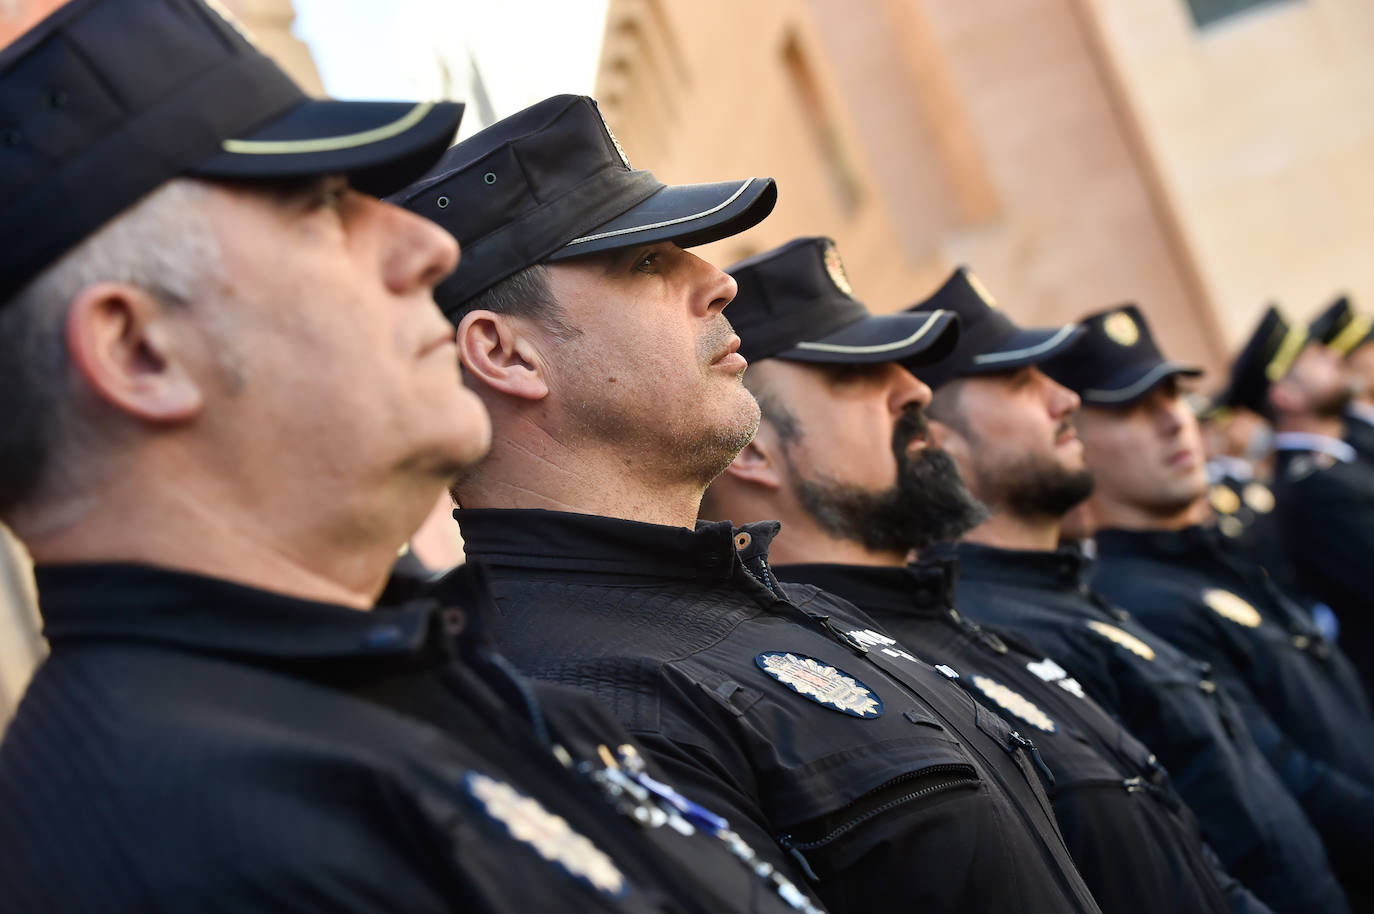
[
  {"x": 380, "y": 146},
  {"x": 688, "y": 214},
  {"x": 1026, "y": 347},
  {"x": 1126, "y": 387},
  {"x": 912, "y": 338}
]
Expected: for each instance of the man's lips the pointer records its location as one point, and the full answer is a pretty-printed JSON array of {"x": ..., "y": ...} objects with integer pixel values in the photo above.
[
  {"x": 1066, "y": 435},
  {"x": 729, "y": 357}
]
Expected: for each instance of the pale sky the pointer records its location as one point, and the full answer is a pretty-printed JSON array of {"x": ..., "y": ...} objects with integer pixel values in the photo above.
[{"x": 392, "y": 49}]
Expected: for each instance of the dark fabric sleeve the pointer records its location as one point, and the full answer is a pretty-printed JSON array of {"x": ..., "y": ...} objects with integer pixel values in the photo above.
[{"x": 1241, "y": 900}]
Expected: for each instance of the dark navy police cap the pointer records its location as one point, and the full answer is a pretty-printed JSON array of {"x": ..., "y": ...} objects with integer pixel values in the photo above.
[
  {"x": 988, "y": 340},
  {"x": 1265, "y": 358},
  {"x": 1341, "y": 328},
  {"x": 106, "y": 100},
  {"x": 552, "y": 182},
  {"x": 795, "y": 303},
  {"x": 1116, "y": 362}
]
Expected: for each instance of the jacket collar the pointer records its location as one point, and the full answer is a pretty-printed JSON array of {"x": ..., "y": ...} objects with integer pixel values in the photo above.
[
  {"x": 1171, "y": 544},
  {"x": 925, "y": 589},
  {"x": 556, "y": 540},
  {"x": 142, "y": 603},
  {"x": 1065, "y": 568}
]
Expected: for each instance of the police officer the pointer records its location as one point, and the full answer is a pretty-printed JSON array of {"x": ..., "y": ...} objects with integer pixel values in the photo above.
[
  {"x": 614, "y": 381},
  {"x": 228, "y": 398},
  {"x": 1010, "y": 429},
  {"x": 1348, "y": 333},
  {"x": 1299, "y": 695},
  {"x": 1325, "y": 494},
  {"x": 842, "y": 458}
]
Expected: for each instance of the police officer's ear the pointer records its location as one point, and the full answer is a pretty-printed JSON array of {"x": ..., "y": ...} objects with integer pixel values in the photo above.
[
  {"x": 760, "y": 463},
  {"x": 138, "y": 354},
  {"x": 500, "y": 351}
]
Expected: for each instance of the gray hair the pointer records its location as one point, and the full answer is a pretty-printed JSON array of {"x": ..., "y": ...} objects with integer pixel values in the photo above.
[{"x": 165, "y": 245}]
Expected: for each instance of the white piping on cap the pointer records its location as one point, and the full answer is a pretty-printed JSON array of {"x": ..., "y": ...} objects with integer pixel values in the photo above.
[
  {"x": 876, "y": 347},
  {"x": 331, "y": 143},
  {"x": 644, "y": 228},
  {"x": 1145, "y": 383},
  {"x": 1037, "y": 349}
]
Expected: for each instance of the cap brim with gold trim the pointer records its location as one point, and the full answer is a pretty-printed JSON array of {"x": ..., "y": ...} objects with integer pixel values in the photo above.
[{"x": 1265, "y": 358}]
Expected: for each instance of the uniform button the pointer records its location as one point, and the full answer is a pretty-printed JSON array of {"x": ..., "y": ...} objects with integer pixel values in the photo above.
[
  {"x": 1301, "y": 642},
  {"x": 1207, "y": 686},
  {"x": 382, "y": 636},
  {"x": 742, "y": 541},
  {"x": 454, "y": 620}
]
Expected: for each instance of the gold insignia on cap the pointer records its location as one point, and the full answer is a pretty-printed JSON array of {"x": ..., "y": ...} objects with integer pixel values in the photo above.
[
  {"x": 834, "y": 266},
  {"x": 1230, "y": 526},
  {"x": 1258, "y": 497},
  {"x": 1224, "y": 499},
  {"x": 1123, "y": 638},
  {"x": 977, "y": 286},
  {"x": 620, "y": 150},
  {"x": 233, "y": 22},
  {"x": 1226, "y": 604},
  {"x": 821, "y": 683},
  {"x": 1015, "y": 702},
  {"x": 550, "y": 835},
  {"x": 1121, "y": 329}
]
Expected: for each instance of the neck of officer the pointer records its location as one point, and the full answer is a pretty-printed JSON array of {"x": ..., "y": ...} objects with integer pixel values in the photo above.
[
  {"x": 1110, "y": 513},
  {"x": 292, "y": 539},
  {"x": 1004, "y": 529},
  {"x": 1330, "y": 426},
  {"x": 540, "y": 471}
]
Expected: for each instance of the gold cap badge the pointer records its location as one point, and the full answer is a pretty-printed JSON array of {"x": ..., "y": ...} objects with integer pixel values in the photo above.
[
  {"x": 1121, "y": 328},
  {"x": 834, "y": 266}
]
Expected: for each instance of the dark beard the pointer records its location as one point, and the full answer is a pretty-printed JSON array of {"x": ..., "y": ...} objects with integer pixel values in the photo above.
[
  {"x": 1042, "y": 489},
  {"x": 928, "y": 504}
]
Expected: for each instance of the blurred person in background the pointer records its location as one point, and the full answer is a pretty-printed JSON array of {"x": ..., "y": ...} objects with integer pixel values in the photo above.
[
  {"x": 1349, "y": 333},
  {"x": 1010, "y": 429},
  {"x": 1324, "y": 493},
  {"x": 1160, "y": 558},
  {"x": 844, "y": 461}
]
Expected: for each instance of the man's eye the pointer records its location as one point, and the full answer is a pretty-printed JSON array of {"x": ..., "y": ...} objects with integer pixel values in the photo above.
[{"x": 648, "y": 263}]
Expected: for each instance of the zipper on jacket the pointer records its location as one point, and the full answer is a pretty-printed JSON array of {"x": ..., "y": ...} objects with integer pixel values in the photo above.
[{"x": 942, "y": 777}]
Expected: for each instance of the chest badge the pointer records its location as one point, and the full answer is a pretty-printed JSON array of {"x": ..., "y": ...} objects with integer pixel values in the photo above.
[
  {"x": 821, "y": 683},
  {"x": 1258, "y": 497},
  {"x": 1229, "y": 606},
  {"x": 1123, "y": 638},
  {"x": 1224, "y": 499},
  {"x": 550, "y": 835},
  {"x": 1015, "y": 703}
]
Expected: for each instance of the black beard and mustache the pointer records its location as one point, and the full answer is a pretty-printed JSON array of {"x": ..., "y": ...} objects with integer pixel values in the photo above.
[
  {"x": 1036, "y": 486},
  {"x": 928, "y": 504}
]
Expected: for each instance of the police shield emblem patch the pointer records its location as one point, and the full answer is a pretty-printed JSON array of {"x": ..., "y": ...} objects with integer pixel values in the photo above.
[
  {"x": 1229, "y": 606},
  {"x": 1125, "y": 639},
  {"x": 1015, "y": 703},
  {"x": 821, "y": 683},
  {"x": 1121, "y": 329},
  {"x": 834, "y": 267},
  {"x": 550, "y": 835}
]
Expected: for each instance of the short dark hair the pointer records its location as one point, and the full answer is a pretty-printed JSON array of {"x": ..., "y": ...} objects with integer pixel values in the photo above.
[{"x": 525, "y": 293}]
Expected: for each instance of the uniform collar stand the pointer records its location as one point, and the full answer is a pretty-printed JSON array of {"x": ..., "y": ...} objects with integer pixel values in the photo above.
[
  {"x": 1065, "y": 567},
  {"x": 1171, "y": 543},
  {"x": 161, "y": 606},
  {"x": 535, "y": 538},
  {"x": 926, "y": 588}
]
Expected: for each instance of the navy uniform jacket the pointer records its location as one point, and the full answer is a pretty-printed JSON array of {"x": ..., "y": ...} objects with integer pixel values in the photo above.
[
  {"x": 1170, "y": 702},
  {"x": 884, "y": 779},
  {"x": 1359, "y": 434},
  {"x": 1299, "y": 695},
  {"x": 196, "y": 745},
  {"x": 1326, "y": 517},
  {"x": 1134, "y": 840}
]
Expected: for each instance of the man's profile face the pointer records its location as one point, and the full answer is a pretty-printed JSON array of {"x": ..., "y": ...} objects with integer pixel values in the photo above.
[
  {"x": 855, "y": 448},
  {"x": 651, "y": 365},
  {"x": 1318, "y": 375},
  {"x": 1148, "y": 455},
  {"x": 1014, "y": 440},
  {"x": 336, "y": 353}
]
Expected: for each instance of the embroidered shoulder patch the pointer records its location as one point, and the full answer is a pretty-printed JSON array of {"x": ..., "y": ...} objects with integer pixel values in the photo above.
[
  {"x": 1123, "y": 638},
  {"x": 821, "y": 683},
  {"x": 550, "y": 835},
  {"x": 1015, "y": 703},
  {"x": 1229, "y": 606}
]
